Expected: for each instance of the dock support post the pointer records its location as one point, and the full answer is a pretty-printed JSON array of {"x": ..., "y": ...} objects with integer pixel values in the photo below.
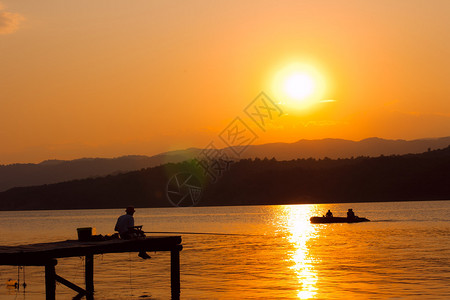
[
  {"x": 89, "y": 275},
  {"x": 50, "y": 280},
  {"x": 175, "y": 273}
]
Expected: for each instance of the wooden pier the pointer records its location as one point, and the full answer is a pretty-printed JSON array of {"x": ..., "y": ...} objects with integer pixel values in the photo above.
[{"x": 46, "y": 254}]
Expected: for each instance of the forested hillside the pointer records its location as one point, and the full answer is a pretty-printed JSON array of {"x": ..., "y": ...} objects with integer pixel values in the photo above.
[{"x": 423, "y": 176}]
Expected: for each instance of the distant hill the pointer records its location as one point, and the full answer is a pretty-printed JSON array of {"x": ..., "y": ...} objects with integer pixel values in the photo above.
[
  {"x": 339, "y": 148},
  {"x": 423, "y": 176},
  {"x": 53, "y": 171}
]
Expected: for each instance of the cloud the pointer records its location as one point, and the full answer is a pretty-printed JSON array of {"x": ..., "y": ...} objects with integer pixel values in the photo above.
[
  {"x": 9, "y": 22},
  {"x": 320, "y": 123}
]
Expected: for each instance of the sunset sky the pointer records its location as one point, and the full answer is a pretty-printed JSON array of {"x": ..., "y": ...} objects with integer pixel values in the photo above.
[{"x": 104, "y": 78}]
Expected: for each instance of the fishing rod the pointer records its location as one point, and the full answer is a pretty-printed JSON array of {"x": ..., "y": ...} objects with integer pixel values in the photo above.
[{"x": 204, "y": 233}]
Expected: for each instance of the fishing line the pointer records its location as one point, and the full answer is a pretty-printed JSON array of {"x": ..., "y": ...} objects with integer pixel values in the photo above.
[
  {"x": 80, "y": 266},
  {"x": 17, "y": 284},
  {"x": 205, "y": 233},
  {"x": 131, "y": 288},
  {"x": 24, "y": 283}
]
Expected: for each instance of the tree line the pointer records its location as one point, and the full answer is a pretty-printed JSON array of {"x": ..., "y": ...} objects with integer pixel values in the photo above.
[{"x": 424, "y": 176}]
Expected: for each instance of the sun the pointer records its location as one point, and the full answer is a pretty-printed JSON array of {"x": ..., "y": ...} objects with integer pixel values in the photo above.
[{"x": 298, "y": 86}]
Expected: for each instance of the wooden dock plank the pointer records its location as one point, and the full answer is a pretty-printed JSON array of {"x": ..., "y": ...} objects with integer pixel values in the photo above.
[{"x": 39, "y": 254}]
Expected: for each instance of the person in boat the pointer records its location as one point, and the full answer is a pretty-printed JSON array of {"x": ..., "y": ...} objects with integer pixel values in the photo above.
[
  {"x": 350, "y": 214},
  {"x": 329, "y": 214},
  {"x": 127, "y": 230}
]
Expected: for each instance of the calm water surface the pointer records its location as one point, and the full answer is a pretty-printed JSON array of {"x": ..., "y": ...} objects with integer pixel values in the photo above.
[{"x": 404, "y": 253}]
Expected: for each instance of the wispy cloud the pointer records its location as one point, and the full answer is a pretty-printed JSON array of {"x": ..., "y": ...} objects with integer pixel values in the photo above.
[
  {"x": 319, "y": 123},
  {"x": 328, "y": 100},
  {"x": 9, "y": 22}
]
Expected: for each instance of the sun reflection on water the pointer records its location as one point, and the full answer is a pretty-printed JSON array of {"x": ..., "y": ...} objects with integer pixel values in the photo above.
[{"x": 299, "y": 232}]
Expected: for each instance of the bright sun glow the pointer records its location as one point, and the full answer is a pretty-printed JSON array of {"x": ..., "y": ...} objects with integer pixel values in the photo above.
[{"x": 298, "y": 86}]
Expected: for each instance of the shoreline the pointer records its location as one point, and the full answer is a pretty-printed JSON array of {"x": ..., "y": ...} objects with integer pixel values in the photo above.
[{"x": 242, "y": 205}]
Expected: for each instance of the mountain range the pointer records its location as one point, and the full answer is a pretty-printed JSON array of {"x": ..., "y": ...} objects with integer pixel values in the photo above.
[
  {"x": 424, "y": 177},
  {"x": 53, "y": 171}
]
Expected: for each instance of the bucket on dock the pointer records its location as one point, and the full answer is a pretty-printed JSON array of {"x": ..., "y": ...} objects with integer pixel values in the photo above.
[{"x": 85, "y": 233}]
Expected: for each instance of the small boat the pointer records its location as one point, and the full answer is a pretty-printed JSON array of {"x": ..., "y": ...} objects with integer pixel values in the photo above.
[{"x": 326, "y": 220}]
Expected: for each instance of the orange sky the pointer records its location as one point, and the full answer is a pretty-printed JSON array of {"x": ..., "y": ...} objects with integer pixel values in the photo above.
[{"x": 110, "y": 78}]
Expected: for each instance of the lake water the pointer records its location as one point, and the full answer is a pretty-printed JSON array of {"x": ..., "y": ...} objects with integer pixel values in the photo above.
[{"x": 404, "y": 253}]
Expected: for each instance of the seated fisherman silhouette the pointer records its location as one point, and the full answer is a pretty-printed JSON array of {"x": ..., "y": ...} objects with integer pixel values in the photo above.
[
  {"x": 350, "y": 214},
  {"x": 127, "y": 230},
  {"x": 329, "y": 214}
]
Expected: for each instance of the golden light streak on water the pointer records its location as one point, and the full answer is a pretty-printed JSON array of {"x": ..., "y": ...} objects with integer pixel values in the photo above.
[{"x": 300, "y": 232}]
